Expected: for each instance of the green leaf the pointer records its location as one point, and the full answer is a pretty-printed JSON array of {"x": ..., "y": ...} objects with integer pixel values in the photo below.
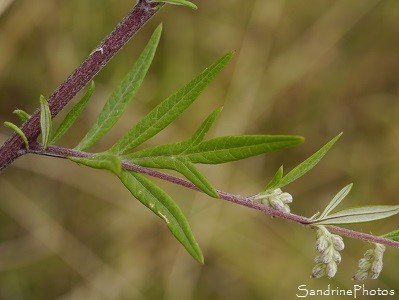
[
  {"x": 123, "y": 94},
  {"x": 360, "y": 215},
  {"x": 181, "y": 165},
  {"x": 22, "y": 115},
  {"x": 218, "y": 150},
  {"x": 100, "y": 161},
  {"x": 17, "y": 130},
  {"x": 276, "y": 179},
  {"x": 199, "y": 135},
  {"x": 73, "y": 114},
  {"x": 163, "y": 206},
  {"x": 179, "y": 2},
  {"x": 336, "y": 201},
  {"x": 393, "y": 235},
  {"x": 168, "y": 110},
  {"x": 308, "y": 164},
  {"x": 230, "y": 148},
  {"x": 45, "y": 121}
]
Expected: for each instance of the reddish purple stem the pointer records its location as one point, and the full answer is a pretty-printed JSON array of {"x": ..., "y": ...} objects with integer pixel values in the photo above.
[
  {"x": 137, "y": 17},
  {"x": 240, "y": 200}
]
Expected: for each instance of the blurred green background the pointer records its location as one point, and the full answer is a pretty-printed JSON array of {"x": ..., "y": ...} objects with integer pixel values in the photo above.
[{"x": 313, "y": 68}]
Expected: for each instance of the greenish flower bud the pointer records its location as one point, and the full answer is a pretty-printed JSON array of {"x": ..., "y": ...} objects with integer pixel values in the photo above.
[
  {"x": 319, "y": 271},
  {"x": 364, "y": 264},
  {"x": 360, "y": 275},
  {"x": 369, "y": 255}
]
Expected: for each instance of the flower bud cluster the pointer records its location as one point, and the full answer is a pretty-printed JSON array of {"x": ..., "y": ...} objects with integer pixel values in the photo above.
[
  {"x": 328, "y": 246},
  {"x": 370, "y": 266},
  {"x": 275, "y": 199}
]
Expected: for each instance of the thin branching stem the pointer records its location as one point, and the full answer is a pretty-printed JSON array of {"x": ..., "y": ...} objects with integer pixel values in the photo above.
[
  {"x": 240, "y": 200},
  {"x": 80, "y": 77}
]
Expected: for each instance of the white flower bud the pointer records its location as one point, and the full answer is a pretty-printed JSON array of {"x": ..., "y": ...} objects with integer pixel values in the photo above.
[
  {"x": 331, "y": 269},
  {"x": 286, "y": 198},
  {"x": 336, "y": 257},
  {"x": 276, "y": 192},
  {"x": 337, "y": 242},
  {"x": 328, "y": 255},
  {"x": 376, "y": 268},
  {"x": 322, "y": 244},
  {"x": 277, "y": 204}
]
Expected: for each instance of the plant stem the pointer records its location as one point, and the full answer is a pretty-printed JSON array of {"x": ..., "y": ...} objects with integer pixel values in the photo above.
[
  {"x": 65, "y": 153},
  {"x": 137, "y": 17}
]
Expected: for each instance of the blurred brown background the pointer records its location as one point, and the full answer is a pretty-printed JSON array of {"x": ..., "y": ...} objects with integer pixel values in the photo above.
[{"x": 313, "y": 68}]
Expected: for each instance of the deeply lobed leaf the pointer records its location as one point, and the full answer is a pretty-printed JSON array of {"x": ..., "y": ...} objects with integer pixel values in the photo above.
[
  {"x": 230, "y": 148},
  {"x": 218, "y": 150},
  {"x": 163, "y": 206},
  {"x": 122, "y": 95},
  {"x": 168, "y": 110}
]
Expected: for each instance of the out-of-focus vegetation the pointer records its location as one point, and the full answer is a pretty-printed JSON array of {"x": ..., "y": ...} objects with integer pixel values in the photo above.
[{"x": 313, "y": 68}]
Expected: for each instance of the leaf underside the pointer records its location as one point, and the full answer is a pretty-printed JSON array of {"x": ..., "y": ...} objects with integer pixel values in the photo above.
[
  {"x": 336, "y": 201},
  {"x": 360, "y": 215}
]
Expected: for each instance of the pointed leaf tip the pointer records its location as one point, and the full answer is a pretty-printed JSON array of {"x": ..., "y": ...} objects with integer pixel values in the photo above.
[
  {"x": 164, "y": 207},
  {"x": 18, "y": 131},
  {"x": 169, "y": 109},
  {"x": 179, "y": 2},
  {"x": 73, "y": 114},
  {"x": 22, "y": 115},
  {"x": 336, "y": 201},
  {"x": 307, "y": 164},
  {"x": 122, "y": 95}
]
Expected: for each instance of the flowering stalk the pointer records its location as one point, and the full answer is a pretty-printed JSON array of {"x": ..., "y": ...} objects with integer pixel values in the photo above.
[
  {"x": 328, "y": 246},
  {"x": 370, "y": 266}
]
